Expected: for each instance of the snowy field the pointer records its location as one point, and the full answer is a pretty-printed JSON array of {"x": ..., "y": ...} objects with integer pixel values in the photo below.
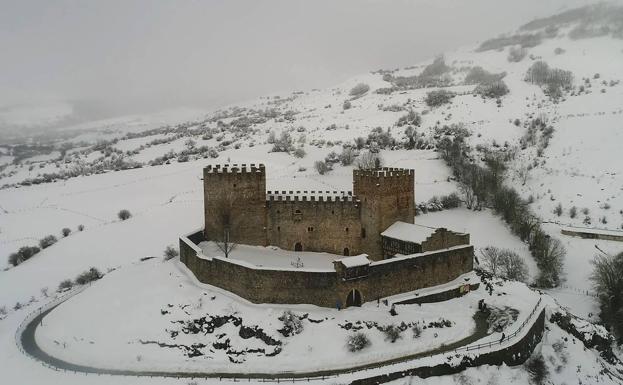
[{"x": 143, "y": 299}]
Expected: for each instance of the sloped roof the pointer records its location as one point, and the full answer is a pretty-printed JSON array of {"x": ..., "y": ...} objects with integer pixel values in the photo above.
[
  {"x": 357, "y": 260},
  {"x": 408, "y": 232}
]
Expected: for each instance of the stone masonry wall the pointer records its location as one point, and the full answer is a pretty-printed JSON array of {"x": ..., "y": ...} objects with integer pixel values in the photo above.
[
  {"x": 328, "y": 226},
  {"x": 442, "y": 239},
  {"x": 385, "y": 278}
]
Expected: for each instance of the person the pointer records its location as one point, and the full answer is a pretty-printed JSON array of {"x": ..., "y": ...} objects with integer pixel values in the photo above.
[
  {"x": 392, "y": 311},
  {"x": 338, "y": 305},
  {"x": 503, "y": 336}
]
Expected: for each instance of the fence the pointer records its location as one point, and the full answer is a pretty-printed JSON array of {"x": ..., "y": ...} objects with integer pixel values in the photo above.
[
  {"x": 507, "y": 338},
  {"x": 241, "y": 377}
]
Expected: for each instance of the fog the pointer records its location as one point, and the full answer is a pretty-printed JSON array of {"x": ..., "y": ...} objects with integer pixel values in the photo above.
[{"x": 140, "y": 56}]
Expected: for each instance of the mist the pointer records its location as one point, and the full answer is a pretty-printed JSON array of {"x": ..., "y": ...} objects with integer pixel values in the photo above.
[{"x": 123, "y": 57}]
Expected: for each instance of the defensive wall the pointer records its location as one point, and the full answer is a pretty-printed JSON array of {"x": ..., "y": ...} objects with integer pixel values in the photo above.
[{"x": 328, "y": 287}]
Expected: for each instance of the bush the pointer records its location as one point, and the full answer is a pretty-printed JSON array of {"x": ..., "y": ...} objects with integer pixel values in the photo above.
[
  {"x": 124, "y": 214},
  {"x": 392, "y": 333},
  {"x": 47, "y": 241},
  {"x": 80, "y": 227},
  {"x": 65, "y": 285},
  {"x": 558, "y": 210},
  {"x": 451, "y": 201},
  {"x": 292, "y": 324},
  {"x": 478, "y": 75},
  {"x": 369, "y": 160},
  {"x": 573, "y": 212},
  {"x": 322, "y": 167},
  {"x": 24, "y": 253},
  {"x": 417, "y": 331},
  {"x": 504, "y": 263},
  {"x": 607, "y": 278},
  {"x": 537, "y": 369},
  {"x": 170, "y": 252},
  {"x": 357, "y": 341},
  {"x": 346, "y": 105},
  {"x": 493, "y": 90},
  {"x": 550, "y": 255},
  {"x": 438, "y": 98},
  {"x": 285, "y": 143},
  {"x": 299, "y": 153},
  {"x": 516, "y": 54},
  {"x": 411, "y": 117},
  {"x": 359, "y": 89},
  {"x": 88, "y": 276},
  {"x": 347, "y": 157},
  {"x": 553, "y": 79},
  {"x": 66, "y": 231}
]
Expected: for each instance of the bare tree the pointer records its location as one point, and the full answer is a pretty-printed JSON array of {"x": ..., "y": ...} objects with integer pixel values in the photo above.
[
  {"x": 369, "y": 160},
  {"x": 226, "y": 221},
  {"x": 492, "y": 259},
  {"x": 514, "y": 267},
  {"x": 468, "y": 193},
  {"x": 550, "y": 255}
]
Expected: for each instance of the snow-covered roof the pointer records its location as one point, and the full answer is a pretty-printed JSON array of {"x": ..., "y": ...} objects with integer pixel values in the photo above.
[
  {"x": 357, "y": 260},
  {"x": 408, "y": 232}
]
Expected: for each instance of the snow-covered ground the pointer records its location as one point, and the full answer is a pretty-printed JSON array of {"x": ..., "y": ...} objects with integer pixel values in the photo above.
[{"x": 579, "y": 168}]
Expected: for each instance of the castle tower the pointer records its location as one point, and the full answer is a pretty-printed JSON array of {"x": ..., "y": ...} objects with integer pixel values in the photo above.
[
  {"x": 387, "y": 195},
  {"x": 235, "y": 203}
]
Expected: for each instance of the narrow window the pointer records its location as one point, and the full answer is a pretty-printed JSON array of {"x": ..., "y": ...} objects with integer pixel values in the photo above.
[
  {"x": 363, "y": 232},
  {"x": 346, "y": 229},
  {"x": 278, "y": 228}
]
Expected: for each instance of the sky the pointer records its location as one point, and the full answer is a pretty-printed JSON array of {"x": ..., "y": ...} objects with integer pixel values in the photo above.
[{"x": 135, "y": 56}]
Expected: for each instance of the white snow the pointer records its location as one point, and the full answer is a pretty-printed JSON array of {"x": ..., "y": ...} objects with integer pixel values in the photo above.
[{"x": 408, "y": 232}]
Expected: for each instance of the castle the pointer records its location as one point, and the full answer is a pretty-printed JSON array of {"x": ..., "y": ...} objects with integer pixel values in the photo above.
[{"x": 372, "y": 227}]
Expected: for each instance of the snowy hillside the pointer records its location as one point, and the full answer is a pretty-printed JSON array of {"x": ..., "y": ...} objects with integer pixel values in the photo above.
[{"x": 562, "y": 143}]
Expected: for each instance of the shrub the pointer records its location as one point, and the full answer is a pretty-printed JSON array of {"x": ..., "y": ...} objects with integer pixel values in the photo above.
[
  {"x": 411, "y": 117},
  {"x": 359, "y": 89},
  {"x": 357, "y": 341},
  {"x": 558, "y": 210},
  {"x": 550, "y": 255},
  {"x": 24, "y": 253},
  {"x": 80, "y": 227},
  {"x": 504, "y": 263},
  {"x": 66, "y": 231},
  {"x": 417, "y": 331},
  {"x": 170, "y": 252},
  {"x": 392, "y": 333},
  {"x": 88, "y": 276},
  {"x": 478, "y": 75},
  {"x": 285, "y": 143},
  {"x": 299, "y": 152},
  {"x": 124, "y": 214},
  {"x": 607, "y": 278},
  {"x": 438, "y": 98},
  {"x": 554, "y": 79},
  {"x": 347, "y": 157},
  {"x": 292, "y": 324},
  {"x": 516, "y": 54},
  {"x": 322, "y": 167},
  {"x": 369, "y": 160},
  {"x": 559, "y": 51},
  {"x": 360, "y": 142},
  {"x": 47, "y": 241},
  {"x": 346, "y": 105},
  {"x": 537, "y": 369},
  {"x": 573, "y": 212},
  {"x": 493, "y": 90},
  {"x": 65, "y": 285},
  {"x": 451, "y": 201}
]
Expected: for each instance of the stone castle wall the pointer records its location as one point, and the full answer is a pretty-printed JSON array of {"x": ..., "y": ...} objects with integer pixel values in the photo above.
[
  {"x": 332, "y": 226},
  {"x": 325, "y": 288},
  {"x": 442, "y": 239}
]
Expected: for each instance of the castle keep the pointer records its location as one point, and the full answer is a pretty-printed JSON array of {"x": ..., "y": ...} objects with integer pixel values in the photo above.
[
  {"x": 338, "y": 222},
  {"x": 372, "y": 227}
]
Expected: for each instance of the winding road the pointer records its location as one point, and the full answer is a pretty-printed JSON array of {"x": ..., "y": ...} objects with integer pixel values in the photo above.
[{"x": 29, "y": 343}]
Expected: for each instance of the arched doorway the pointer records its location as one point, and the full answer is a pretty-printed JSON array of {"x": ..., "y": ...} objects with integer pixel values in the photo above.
[
  {"x": 298, "y": 246},
  {"x": 354, "y": 298},
  {"x": 346, "y": 252}
]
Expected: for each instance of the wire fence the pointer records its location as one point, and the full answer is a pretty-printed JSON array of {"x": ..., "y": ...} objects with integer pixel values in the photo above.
[{"x": 277, "y": 377}]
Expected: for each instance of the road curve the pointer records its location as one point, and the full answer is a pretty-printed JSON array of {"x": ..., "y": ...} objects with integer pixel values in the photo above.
[{"x": 29, "y": 344}]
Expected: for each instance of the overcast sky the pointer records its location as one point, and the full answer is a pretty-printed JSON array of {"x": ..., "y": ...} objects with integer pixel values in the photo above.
[{"x": 137, "y": 56}]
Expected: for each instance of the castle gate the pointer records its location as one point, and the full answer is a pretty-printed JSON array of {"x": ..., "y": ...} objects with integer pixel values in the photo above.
[
  {"x": 354, "y": 298},
  {"x": 298, "y": 246}
]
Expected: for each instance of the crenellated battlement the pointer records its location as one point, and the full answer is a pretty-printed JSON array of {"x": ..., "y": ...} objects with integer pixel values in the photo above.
[
  {"x": 311, "y": 196},
  {"x": 384, "y": 172},
  {"x": 235, "y": 168}
]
